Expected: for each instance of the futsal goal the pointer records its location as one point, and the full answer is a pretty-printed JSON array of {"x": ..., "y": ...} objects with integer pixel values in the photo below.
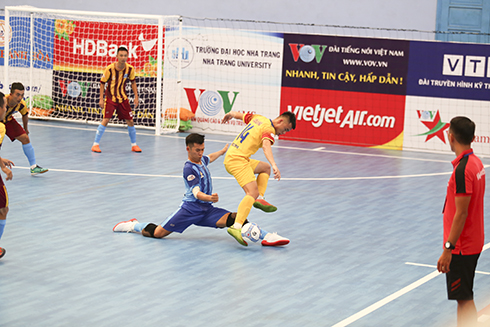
[{"x": 60, "y": 55}]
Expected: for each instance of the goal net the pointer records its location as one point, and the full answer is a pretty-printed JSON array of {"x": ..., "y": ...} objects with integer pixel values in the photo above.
[{"x": 61, "y": 55}]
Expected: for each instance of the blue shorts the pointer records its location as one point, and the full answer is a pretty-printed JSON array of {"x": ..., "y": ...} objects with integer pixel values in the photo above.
[{"x": 193, "y": 213}]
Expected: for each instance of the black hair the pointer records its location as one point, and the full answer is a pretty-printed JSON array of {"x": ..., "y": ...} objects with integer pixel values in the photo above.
[
  {"x": 2, "y": 99},
  {"x": 16, "y": 86},
  {"x": 194, "y": 138},
  {"x": 122, "y": 49},
  {"x": 291, "y": 117},
  {"x": 463, "y": 129}
]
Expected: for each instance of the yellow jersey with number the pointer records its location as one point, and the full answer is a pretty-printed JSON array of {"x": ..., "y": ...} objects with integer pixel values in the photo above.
[{"x": 251, "y": 137}]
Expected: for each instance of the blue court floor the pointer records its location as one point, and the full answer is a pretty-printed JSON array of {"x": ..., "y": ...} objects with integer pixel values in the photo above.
[{"x": 365, "y": 227}]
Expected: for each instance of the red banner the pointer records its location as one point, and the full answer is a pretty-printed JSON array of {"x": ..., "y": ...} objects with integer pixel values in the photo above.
[
  {"x": 91, "y": 46},
  {"x": 342, "y": 117}
]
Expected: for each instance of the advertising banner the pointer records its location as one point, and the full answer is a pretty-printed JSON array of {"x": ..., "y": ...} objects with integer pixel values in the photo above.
[
  {"x": 341, "y": 117},
  {"x": 449, "y": 70},
  {"x": 345, "y": 63},
  {"x": 20, "y": 42},
  {"x": 427, "y": 122},
  {"x": 92, "y": 46},
  {"x": 76, "y": 96},
  {"x": 224, "y": 70},
  {"x": 345, "y": 90}
]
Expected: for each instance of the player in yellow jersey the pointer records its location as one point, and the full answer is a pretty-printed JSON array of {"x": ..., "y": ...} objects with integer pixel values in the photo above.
[
  {"x": 259, "y": 133},
  {"x": 115, "y": 76},
  {"x": 13, "y": 129},
  {"x": 5, "y": 164}
]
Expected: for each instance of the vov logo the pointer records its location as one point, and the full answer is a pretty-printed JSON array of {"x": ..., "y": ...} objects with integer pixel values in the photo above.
[
  {"x": 74, "y": 89},
  {"x": 210, "y": 102},
  {"x": 307, "y": 52},
  {"x": 432, "y": 120}
]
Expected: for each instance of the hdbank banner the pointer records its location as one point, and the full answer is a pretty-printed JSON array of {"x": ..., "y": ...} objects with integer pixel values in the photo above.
[
  {"x": 345, "y": 90},
  {"x": 449, "y": 70},
  {"x": 92, "y": 46},
  {"x": 224, "y": 70}
]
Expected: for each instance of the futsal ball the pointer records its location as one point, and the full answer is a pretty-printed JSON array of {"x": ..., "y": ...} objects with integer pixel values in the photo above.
[{"x": 251, "y": 233}]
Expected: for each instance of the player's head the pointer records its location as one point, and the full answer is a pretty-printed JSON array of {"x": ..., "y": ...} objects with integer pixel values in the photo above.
[
  {"x": 195, "y": 147},
  {"x": 16, "y": 93},
  {"x": 463, "y": 130},
  {"x": 122, "y": 54},
  {"x": 3, "y": 105},
  {"x": 284, "y": 123}
]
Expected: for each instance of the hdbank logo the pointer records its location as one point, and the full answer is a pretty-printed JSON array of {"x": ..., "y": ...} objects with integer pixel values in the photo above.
[
  {"x": 307, "y": 53},
  {"x": 460, "y": 65},
  {"x": 210, "y": 102}
]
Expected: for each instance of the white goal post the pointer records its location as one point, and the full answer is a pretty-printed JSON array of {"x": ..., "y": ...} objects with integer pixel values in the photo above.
[{"x": 60, "y": 55}]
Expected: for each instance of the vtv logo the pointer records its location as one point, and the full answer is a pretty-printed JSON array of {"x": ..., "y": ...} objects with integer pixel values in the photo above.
[
  {"x": 457, "y": 65},
  {"x": 307, "y": 52},
  {"x": 210, "y": 102}
]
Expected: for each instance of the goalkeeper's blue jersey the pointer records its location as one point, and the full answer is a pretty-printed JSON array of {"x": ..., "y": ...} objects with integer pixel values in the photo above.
[{"x": 197, "y": 175}]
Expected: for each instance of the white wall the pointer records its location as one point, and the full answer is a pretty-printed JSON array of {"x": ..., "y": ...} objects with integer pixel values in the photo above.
[{"x": 402, "y": 14}]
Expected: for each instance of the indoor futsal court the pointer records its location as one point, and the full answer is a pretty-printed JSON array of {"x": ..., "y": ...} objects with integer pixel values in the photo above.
[{"x": 365, "y": 227}]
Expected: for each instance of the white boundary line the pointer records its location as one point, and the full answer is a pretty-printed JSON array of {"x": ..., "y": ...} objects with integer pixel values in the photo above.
[
  {"x": 392, "y": 297},
  {"x": 231, "y": 177},
  {"x": 433, "y": 266}
]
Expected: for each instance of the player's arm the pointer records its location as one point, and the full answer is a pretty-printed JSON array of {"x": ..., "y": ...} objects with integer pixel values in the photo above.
[
  {"x": 134, "y": 87},
  {"x": 25, "y": 120},
  {"x": 267, "y": 147},
  {"x": 232, "y": 114},
  {"x": 203, "y": 196},
  {"x": 215, "y": 155},
  {"x": 462, "y": 205},
  {"x": 101, "y": 97},
  {"x": 5, "y": 164}
]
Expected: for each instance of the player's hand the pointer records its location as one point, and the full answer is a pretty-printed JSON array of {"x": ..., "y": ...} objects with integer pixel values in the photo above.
[
  {"x": 136, "y": 101},
  {"x": 214, "y": 197},
  {"x": 277, "y": 173},
  {"x": 444, "y": 261},
  {"x": 227, "y": 118},
  {"x": 8, "y": 163},
  {"x": 7, "y": 172},
  {"x": 223, "y": 151},
  {"x": 101, "y": 103}
]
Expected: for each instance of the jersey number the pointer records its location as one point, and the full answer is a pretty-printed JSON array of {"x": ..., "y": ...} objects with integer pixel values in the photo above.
[{"x": 243, "y": 135}]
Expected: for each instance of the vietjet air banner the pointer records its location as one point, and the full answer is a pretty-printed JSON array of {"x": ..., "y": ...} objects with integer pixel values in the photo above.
[
  {"x": 91, "y": 46},
  {"x": 345, "y": 90},
  {"x": 223, "y": 70}
]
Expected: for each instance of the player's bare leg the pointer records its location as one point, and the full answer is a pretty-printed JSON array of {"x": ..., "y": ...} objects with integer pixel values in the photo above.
[{"x": 263, "y": 170}]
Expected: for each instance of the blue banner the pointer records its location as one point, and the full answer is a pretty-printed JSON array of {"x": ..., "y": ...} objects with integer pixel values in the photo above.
[
  {"x": 20, "y": 40},
  {"x": 449, "y": 70}
]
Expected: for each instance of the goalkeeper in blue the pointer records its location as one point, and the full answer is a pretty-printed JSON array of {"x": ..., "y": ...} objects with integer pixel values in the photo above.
[{"x": 197, "y": 205}]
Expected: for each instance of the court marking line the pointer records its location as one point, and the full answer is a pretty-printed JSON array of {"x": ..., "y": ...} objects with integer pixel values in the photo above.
[
  {"x": 392, "y": 297},
  {"x": 232, "y": 178},
  {"x": 433, "y": 266},
  {"x": 318, "y": 150}
]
